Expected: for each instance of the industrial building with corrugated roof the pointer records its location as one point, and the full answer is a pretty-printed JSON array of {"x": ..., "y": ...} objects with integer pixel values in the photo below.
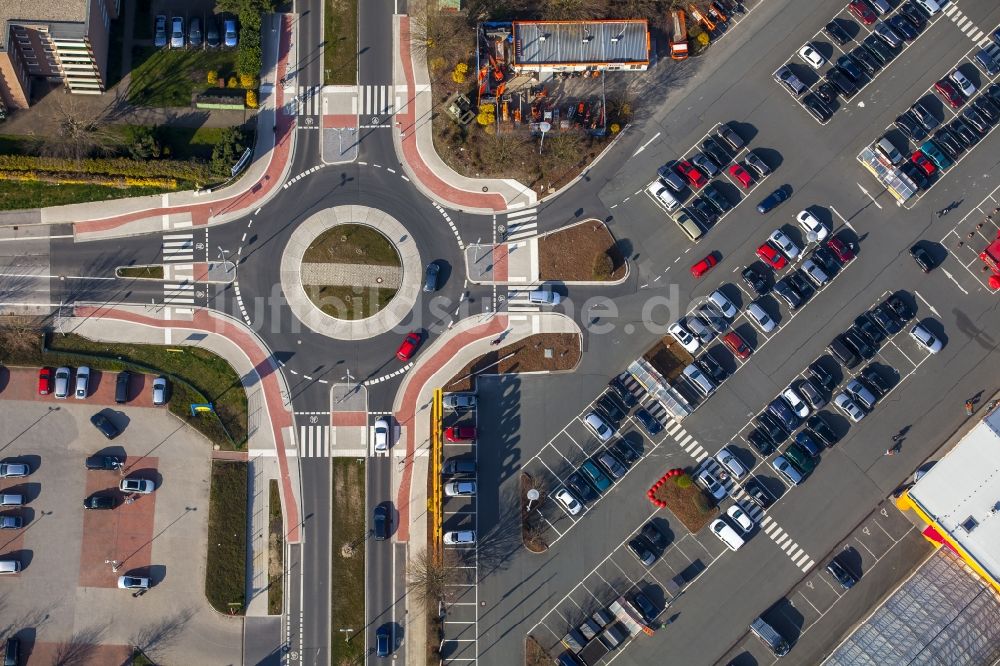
[{"x": 567, "y": 46}]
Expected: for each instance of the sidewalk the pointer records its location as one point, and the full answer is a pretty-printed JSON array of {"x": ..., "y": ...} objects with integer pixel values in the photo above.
[
  {"x": 448, "y": 354},
  {"x": 270, "y": 427},
  {"x": 261, "y": 180},
  {"x": 414, "y": 141}
]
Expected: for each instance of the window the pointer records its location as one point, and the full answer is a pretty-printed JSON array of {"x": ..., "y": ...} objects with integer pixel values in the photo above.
[{"x": 969, "y": 524}]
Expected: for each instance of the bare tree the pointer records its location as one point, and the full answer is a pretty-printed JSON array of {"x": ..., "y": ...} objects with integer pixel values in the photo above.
[
  {"x": 20, "y": 336},
  {"x": 428, "y": 576},
  {"x": 80, "y": 135},
  {"x": 152, "y": 638}
]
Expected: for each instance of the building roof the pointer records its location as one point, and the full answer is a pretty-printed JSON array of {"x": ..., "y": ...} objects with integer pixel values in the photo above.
[
  {"x": 961, "y": 493},
  {"x": 40, "y": 11},
  {"x": 580, "y": 42}
]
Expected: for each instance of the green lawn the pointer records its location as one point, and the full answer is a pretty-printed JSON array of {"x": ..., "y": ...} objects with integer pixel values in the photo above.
[
  {"x": 15, "y": 195},
  {"x": 344, "y": 303},
  {"x": 340, "y": 32},
  {"x": 225, "y": 570},
  {"x": 165, "y": 77},
  {"x": 349, "y": 527},
  {"x": 190, "y": 142},
  {"x": 149, "y": 272},
  {"x": 276, "y": 546},
  {"x": 351, "y": 244}
]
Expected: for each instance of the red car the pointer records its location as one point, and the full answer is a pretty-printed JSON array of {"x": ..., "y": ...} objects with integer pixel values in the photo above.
[
  {"x": 695, "y": 178},
  {"x": 409, "y": 346},
  {"x": 45, "y": 381},
  {"x": 843, "y": 250},
  {"x": 704, "y": 266},
  {"x": 948, "y": 92},
  {"x": 460, "y": 434},
  {"x": 737, "y": 345},
  {"x": 741, "y": 175},
  {"x": 772, "y": 256},
  {"x": 921, "y": 161},
  {"x": 863, "y": 11}
]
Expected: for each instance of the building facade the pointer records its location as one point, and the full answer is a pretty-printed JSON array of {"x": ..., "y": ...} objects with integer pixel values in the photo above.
[{"x": 62, "y": 41}]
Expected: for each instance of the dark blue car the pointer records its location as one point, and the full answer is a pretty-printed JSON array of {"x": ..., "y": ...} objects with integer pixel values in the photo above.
[
  {"x": 772, "y": 201},
  {"x": 648, "y": 421}
]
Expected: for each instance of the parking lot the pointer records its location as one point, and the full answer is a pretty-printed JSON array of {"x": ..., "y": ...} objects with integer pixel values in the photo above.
[
  {"x": 66, "y": 593},
  {"x": 205, "y": 11}
]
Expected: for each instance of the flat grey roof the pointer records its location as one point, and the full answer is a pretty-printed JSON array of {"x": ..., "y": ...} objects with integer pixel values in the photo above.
[
  {"x": 584, "y": 42},
  {"x": 40, "y": 11}
]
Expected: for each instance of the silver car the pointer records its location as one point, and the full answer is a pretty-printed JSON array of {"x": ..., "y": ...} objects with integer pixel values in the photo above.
[
  {"x": 861, "y": 394},
  {"x": 918, "y": 333},
  {"x": 849, "y": 408},
  {"x": 759, "y": 317},
  {"x": 160, "y": 391},
  {"x": 177, "y": 32},
  {"x": 82, "y": 382},
  {"x": 785, "y": 244},
  {"x": 459, "y": 401},
  {"x": 136, "y": 485},
  {"x": 727, "y": 459},
  {"x": 12, "y": 470},
  {"x": 62, "y": 382},
  {"x": 160, "y": 31},
  {"x": 721, "y": 301},
  {"x": 600, "y": 427}
]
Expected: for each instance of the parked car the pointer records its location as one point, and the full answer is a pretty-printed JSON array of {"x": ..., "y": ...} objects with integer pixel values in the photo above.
[
  {"x": 799, "y": 406},
  {"x": 177, "y": 32},
  {"x": 194, "y": 33},
  {"x": 731, "y": 463},
  {"x": 44, "y": 381},
  {"x": 133, "y": 583},
  {"x": 754, "y": 278},
  {"x": 784, "y": 468},
  {"x": 122, "y": 382},
  {"x": 849, "y": 408},
  {"x": 783, "y": 289},
  {"x": 599, "y": 426},
  {"x": 841, "y": 574},
  {"x": 160, "y": 31},
  {"x": 135, "y": 484},
  {"x": 758, "y": 494},
  {"x": 580, "y": 489},
  {"x": 212, "y": 37},
  {"x": 696, "y": 179},
  {"x": 454, "y": 434},
  {"x": 811, "y": 224},
  {"x": 229, "y": 30},
  {"x": 740, "y": 518},
  {"x": 771, "y": 255},
  {"x": 648, "y": 421},
  {"x": 837, "y": 33},
  {"x": 737, "y": 345},
  {"x": 160, "y": 389},
  {"x": 811, "y": 56},
  {"x": 82, "y": 382},
  {"x": 104, "y": 463},
  {"x": 14, "y": 470},
  {"x": 962, "y": 82},
  {"x": 8, "y": 522},
  {"x": 760, "y": 318},
  {"x": 459, "y": 401},
  {"x": 459, "y": 488},
  {"x": 925, "y": 338},
  {"x": 755, "y": 163},
  {"x": 640, "y": 549},
  {"x": 682, "y": 335},
  {"x": 460, "y": 538},
  {"x": 811, "y": 394},
  {"x": 785, "y": 244},
  {"x": 819, "y": 427},
  {"x": 105, "y": 425},
  {"x": 707, "y": 481},
  {"x": 772, "y": 200}
]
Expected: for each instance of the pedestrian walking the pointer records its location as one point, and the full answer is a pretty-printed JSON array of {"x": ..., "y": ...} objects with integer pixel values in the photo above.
[
  {"x": 890, "y": 451},
  {"x": 969, "y": 407}
]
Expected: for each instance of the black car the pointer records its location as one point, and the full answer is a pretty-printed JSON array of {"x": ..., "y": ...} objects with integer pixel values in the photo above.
[
  {"x": 899, "y": 307},
  {"x": 948, "y": 143},
  {"x": 826, "y": 94},
  {"x": 121, "y": 386},
  {"x": 819, "y": 427},
  {"x": 761, "y": 441},
  {"x": 836, "y": 32},
  {"x": 627, "y": 397},
  {"x": 109, "y": 463},
  {"x": 780, "y": 410},
  {"x": 877, "y": 46},
  {"x": 645, "y": 606},
  {"x": 868, "y": 62},
  {"x": 380, "y": 523},
  {"x": 910, "y": 11},
  {"x": 993, "y": 92},
  {"x": 972, "y": 116},
  {"x": 104, "y": 424},
  {"x": 805, "y": 441},
  {"x": 822, "y": 256},
  {"x": 98, "y": 501},
  {"x": 648, "y": 421},
  {"x": 770, "y": 425},
  {"x": 987, "y": 108},
  {"x": 902, "y": 25},
  {"x": 754, "y": 278},
  {"x": 908, "y": 125},
  {"x": 840, "y": 573},
  {"x": 711, "y": 367},
  {"x": 816, "y": 108},
  {"x": 625, "y": 453},
  {"x": 843, "y": 84},
  {"x": 608, "y": 404},
  {"x": 800, "y": 284},
  {"x": 922, "y": 259},
  {"x": 867, "y": 327},
  {"x": 965, "y": 134},
  {"x": 886, "y": 320},
  {"x": 858, "y": 343},
  {"x": 382, "y": 639},
  {"x": 756, "y": 491},
  {"x": 783, "y": 289},
  {"x": 773, "y": 200},
  {"x": 641, "y": 550},
  {"x": 715, "y": 197},
  {"x": 847, "y": 64},
  {"x": 869, "y": 377},
  {"x": 431, "y": 277},
  {"x": 818, "y": 372},
  {"x": 704, "y": 210},
  {"x": 12, "y": 652},
  {"x": 583, "y": 490},
  {"x": 713, "y": 149},
  {"x": 651, "y": 533},
  {"x": 212, "y": 32},
  {"x": 915, "y": 173},
  {"x": 924, "y": 116}
]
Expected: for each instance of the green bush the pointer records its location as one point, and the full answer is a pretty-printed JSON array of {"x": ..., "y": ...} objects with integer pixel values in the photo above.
[
  {"x": 603, "y": 267},
  {"x": 227, "y": 151},
  {"x": 110, "y": 166},
  {"x": 141, "y": 142},
  {"x": 683, "y": 481}
]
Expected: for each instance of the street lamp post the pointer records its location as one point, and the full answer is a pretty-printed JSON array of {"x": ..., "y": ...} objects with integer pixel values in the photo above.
[{"x": 347, "y": 633}]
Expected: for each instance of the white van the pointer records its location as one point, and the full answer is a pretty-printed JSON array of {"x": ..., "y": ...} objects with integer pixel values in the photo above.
[
  {"x": 932, "y": 7},
  {"x": 544, "y": 296},
  {"x": 10, "y": 566},
  {"x": 727, "y": 534},
  {"x": 699, "y": 379},
  {"x": 662, "y": 194}
]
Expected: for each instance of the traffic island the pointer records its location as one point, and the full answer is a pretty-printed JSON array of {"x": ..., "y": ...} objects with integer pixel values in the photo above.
[
  {"x": 542, "y": 352},
  {"x": 532, "y": 530},
  {"x": 583, "y": 252},
  {"x": 680, "y": 494},
  {"x": 140, "y": 272},
  {"x": 225, "y": 566}
]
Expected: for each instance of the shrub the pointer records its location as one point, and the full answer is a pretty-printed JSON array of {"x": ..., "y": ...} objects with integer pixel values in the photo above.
[
  {"x": 246, "y": 80},
  {"x": 462, "y": 67},
  {"x": 603, "y": 266},
  {"x": 141, "y": 143},
  {"x": 232, "y": 82},
  {"x": 615, "y": 128},
  {"x": 436, "y": 63},
  {"x": 457, "y": 77},
  {"x": 251, "y": 99},
  {"x": 212, "y": 76},
  {"x": 231, "y": 145},
  {"x": 704, "y": 39},
  {"x": 486, "y": 118},
  {"x": 683, "y": 481}
]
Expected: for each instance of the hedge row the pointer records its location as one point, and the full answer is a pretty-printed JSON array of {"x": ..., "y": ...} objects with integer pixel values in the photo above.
[
  {"x": 110, "y": 166},
  {"x": 83, "y": 179}
]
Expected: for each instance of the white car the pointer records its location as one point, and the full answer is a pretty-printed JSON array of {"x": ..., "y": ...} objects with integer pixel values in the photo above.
[
  {"x": 460, "y": 488},
  {"x": 709, "y": 483},
  {"x": 728, "y": 308},
  {"x": 925, "y": 339},
  {"x": 785, "y": 244},
  {"x": 460, "y": 538},
  {"x": 160, "y": 391},
  {"x": 731, "y": 462},
  {"x": 569, "y": 502},
  {"x": 810, "y": 223},
  {"x": 136, "y": 485},
  {"x": 382, "y": 435},
  {"x": 759, "y": 317},
  {"x": 965, "y": 86},
  {"x": 740, "y": 517},
  {"x": 679, "y": 333},
  {"x": 726, "y": 534},
  {"x": 812, "y": 57},
  {"x": 848, "y": 407},
  {"x": 795, "y": 401},
  {"x": 133, "y": 583},
  {"x": 82, "y": 382},
  {"x": 600, "y": 427}
]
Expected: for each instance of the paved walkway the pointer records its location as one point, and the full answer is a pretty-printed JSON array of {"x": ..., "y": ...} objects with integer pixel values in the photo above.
[{"x": 348, "y": 275}]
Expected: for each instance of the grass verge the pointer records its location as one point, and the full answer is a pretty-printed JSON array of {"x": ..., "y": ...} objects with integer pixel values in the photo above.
[
  {"x": 165, "y": 77},
  {"x": 340, "y": 32},
  {"x": 585, "y": 252},
  {"x": 148, "y": 272},
  {"x": 16, "y": 195},
  {"x": 347, "y": 538},
  {"x": 349, "y": 302},
  {"x": 276, "y": 548},
  {"x": 687, "y": 502},
  {"x": 529, "y": 355},
  {"x": 225, "y": 570},
  {"x": 351, "y": 244}
]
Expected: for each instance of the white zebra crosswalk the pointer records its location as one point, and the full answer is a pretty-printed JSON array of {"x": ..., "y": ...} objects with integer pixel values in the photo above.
[
  {"x": 314, "y": 441},
  {"x": 795, "y": 553},
  {"x": 521, "y": 224},
  {"x": 308, "y": 101},
  {"x": 517, "y": 301},
  {"x": 967, "y": 26},
  {"x": 177, "y": 247},
  {"x": 377, "y": 101}
]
